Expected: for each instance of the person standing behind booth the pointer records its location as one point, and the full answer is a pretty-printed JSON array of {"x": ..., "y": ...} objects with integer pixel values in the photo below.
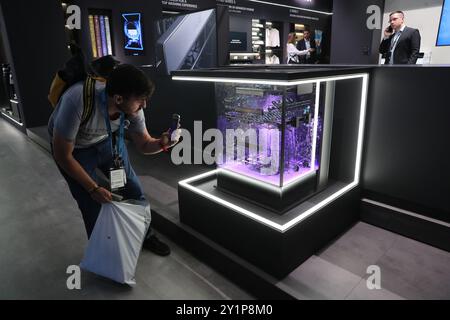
[
  {"x": 306, "y": 44},
  {"x": 401, "y": 44},
  {"x": 293, "y": 54}
]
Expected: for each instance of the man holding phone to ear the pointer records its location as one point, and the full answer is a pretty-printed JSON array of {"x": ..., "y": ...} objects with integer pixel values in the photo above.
[{"x": 401, "y": 44}]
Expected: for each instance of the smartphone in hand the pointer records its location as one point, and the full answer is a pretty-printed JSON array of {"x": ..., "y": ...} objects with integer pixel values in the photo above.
[
  {"x": 388, "y": 32},
  {"x": 176, "y": 118}
]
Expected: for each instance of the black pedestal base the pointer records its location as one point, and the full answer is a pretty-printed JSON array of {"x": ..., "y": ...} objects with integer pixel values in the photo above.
[
  {"x": 278, "y": 251},
  {"x": 277, "y": 201}
]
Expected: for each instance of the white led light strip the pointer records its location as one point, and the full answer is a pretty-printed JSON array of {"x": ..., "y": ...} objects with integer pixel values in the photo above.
[
  {"x": 284, "y": 227},
  {"x": 292, "y": 7},
  {"x": 170, "y": 12},
  {"x": 244, "y": 54},
  {"x": 316, "y": 126},
  {"x": 12, "y": 119},
  {"x": 268, "y": 82}
]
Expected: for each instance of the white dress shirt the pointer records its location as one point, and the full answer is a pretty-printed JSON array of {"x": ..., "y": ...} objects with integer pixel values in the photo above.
[
  {"x": 272, "y": 37},
  {"x": 272, "y": 59}
]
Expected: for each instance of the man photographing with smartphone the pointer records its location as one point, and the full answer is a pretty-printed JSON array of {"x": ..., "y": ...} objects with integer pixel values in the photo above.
[
  {"x": 82, "y": 147},
  {"x": 401, "y": 44}
]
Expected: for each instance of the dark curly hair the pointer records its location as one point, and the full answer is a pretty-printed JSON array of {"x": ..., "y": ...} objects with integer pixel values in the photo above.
[{"x": 127, "y": 80}]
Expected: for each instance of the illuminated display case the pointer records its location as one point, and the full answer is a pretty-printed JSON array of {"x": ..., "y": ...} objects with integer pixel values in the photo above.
[
  {"x": 273, "y": 136},
  {"x": 288, "y": 169},
  {"x": 279, "y": 130}
]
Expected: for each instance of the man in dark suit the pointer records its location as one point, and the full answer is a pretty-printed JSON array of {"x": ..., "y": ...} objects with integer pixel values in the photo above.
[
  {"x": 305, "y": 44},
  {"x": 401, "y": 44}
]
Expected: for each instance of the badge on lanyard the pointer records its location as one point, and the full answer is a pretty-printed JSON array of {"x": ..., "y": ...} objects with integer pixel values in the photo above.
[
  {"x": 118, "y": 179},
  {"x": 117, "y": 174}
]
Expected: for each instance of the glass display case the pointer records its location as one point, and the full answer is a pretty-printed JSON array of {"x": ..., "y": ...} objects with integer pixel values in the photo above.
[
  {"x": 273, "y": 133},
  {"x": 288, "y": 171}
]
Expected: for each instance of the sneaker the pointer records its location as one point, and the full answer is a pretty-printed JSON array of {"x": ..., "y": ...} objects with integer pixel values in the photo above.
[{"x": 156, "y": 246}]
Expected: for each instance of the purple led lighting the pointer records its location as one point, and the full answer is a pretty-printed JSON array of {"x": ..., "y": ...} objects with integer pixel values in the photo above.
[
  {"x": 260, "y": 108},
  {"x": 249, "y": 172}
]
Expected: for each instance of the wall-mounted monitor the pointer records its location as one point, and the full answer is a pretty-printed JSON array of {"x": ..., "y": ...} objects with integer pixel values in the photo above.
[
  {"x": 443, "y": 38},
  {"x": 133, "y": 37}
]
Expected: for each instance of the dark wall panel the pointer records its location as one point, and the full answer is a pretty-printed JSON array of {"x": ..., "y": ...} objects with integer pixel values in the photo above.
[
  {"x": 35, "y": 31},
  {"x": 407, "y": 143},
  {"x": 347, "y": 105},
  {"x": 351, "y": 41},
  {"x": 3, "y": 58},
  {"x": 194, "y": 101}
]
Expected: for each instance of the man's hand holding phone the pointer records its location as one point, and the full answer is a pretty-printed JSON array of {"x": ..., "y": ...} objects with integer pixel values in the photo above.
[
  {"x": 388, "y": 32},
  {"x": 171, "y": 136}
]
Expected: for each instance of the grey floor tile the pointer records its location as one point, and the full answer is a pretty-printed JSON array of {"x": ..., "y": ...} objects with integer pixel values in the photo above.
[
  {"x": 220, "y": 282},
  {"x": 416, "y": 271},
  {"x": 163, "y": 193},
  {"x": 173, "y": 212},
  {"x": 172, "y": 280},
  {"x": 320, "y": 279},
  {"x": 96, "y": 287},
  {"x": 361, "y": 292},
  {"x": 359, "y": 248},
  {"x": 204, "y": 282}
]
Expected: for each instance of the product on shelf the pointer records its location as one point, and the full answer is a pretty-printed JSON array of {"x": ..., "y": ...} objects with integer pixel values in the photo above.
[
  {"x": 100, "y": 33},
  {"x": 272, "y": 35},
  {"x": 92, "y": 34}
]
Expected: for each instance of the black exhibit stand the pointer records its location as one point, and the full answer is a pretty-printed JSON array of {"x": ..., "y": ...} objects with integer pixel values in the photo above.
[{"x": 278, "y": 225}]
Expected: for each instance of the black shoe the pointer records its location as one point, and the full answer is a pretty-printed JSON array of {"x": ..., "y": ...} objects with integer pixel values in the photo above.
[{"x": 156, "y": 246}]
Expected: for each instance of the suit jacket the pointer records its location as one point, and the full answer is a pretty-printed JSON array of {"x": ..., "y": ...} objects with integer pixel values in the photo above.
[
  {"x": 407, "y": 49},
  {"x": 301, "y": 45}
]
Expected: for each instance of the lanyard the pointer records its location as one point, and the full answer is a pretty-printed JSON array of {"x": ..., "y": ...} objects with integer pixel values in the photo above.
[
  {"x": 394, "y": 42},
  {"x": 116, "y": 148}
]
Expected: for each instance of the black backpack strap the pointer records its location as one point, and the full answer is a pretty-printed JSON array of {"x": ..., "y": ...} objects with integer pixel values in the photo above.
[{"x": 88, "y": 99}]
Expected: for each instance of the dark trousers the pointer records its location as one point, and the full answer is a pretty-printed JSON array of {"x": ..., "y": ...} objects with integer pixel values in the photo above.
[{"x": 95, "y": 157}]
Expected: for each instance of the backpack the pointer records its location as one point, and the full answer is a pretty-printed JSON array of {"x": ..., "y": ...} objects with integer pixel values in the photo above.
[{"x": 75, "y": 71}]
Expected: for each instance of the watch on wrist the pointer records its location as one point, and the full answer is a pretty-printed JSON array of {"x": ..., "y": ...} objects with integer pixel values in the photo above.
[{"x": 93, "y": 189}]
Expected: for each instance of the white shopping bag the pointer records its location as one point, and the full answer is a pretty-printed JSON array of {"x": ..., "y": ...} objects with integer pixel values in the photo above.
[{"x": 116, "y": 241}]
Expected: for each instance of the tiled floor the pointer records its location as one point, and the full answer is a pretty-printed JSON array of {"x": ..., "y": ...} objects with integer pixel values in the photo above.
[
  {"x": 408, "y": 269},
  {"x": 41, "y": 233}
]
